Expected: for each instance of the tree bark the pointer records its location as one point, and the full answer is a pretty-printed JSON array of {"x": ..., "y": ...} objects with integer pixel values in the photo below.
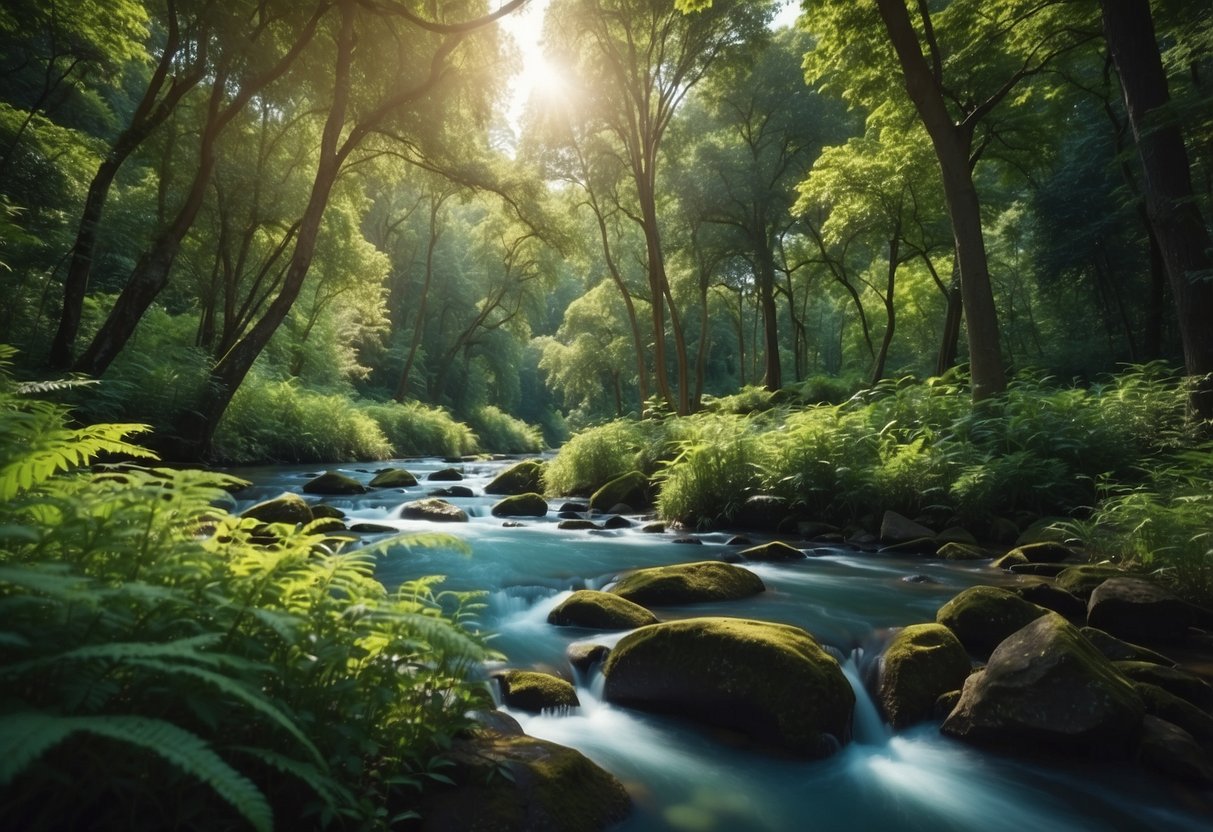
[
  {"x": 952, "y": 143},
  {"x": 1182, "y": 236},
  {"x": 890, "y": 312},
  {"x": 764, "y": 272}
]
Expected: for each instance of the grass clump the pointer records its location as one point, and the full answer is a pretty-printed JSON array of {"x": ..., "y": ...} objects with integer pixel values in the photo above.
[
  {"x": 501, "y": 433},
  {"x": 716, "y": 468},
  {"x": 280, "y": 421},
  {"x": 595, "y": 456},
  {"x": 155, "y": 645},
  {"x": 415, "y": 429}
]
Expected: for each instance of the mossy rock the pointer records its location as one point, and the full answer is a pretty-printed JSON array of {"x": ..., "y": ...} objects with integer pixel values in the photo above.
[
  {"x": 1053, "y": 598},
  {"x": 445, "y": 475},
  {"x": 584, "y": 655},
  {"x": 393, "y": 478},
  {"x": 578, "y": 525},
  {"x": 1178, "y": 682},
  {"x": 1171, "y": 751},
  {"x": 529, "y": 690},
  {"x": 521, "y": 505},
  {"x": 897, "y": 528},
  {"x": 1139, "y": 610},
  {"x": 1166, "y": 705},
  {"x": 599, "y": 611},
  {"x": 285, "y": 508},
  {"x": 1119, "y": 650},
  {"x": 631, "y": 489},
  {"x": 1046, "y": 687},
  {"x": 1045, "y": 552},
  {"x": 962, "y": 551},
  {"x": 321, "y": 510},
  {"x": 775, "y": 551},
  {"x": 434, "y": 510},
  {"x": 688, "y": 583},
  {"x": 1008, "y": 560},
  {"x": 1082, "y": 579},
  {"x": 982, "y": 616},
  {"x": 921, "y": 663},
  {"x": 515, "y": 783},
  {"x": 521, "y": 478},
  {"x": 772, "y": 682},
  {"x": 334, "y": 482},
  {"x": 956, "y": 534}
]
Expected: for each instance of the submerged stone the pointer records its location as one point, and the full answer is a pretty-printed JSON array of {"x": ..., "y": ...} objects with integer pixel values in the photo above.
[
  {"x": 434, "y": 510},
  {"x": 772, "y": 682},
  {"x": 688, "y": 583},
  {"x": 982, "y": 616},
  {"x": 521, "y": 505},
  {"x": 334, "y": 482},
  {"x": 393, "y": 478},
  {"x": 1045, "y": 686},
  {"x": 921, "y": 663},
  {"x": 600, "y": 611},
  {"x": 529, "y": 690},
  {"x": 521, "y": 478}
]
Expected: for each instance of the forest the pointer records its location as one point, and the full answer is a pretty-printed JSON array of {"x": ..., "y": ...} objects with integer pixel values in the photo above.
[{"x": 784, "y": 268}]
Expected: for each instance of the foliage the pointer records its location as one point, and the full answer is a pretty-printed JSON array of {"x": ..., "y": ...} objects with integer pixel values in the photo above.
[
  {"x": 499, "y": 432},
  {"x": 280, "y": 420},
  {"x": 415, "y": 429},
  {"x": 155, "y": 645},
  {"x": 595, "y": 456},
  {"x": 716, "y": 468}
]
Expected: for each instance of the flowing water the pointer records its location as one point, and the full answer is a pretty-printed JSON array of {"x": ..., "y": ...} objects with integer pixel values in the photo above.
[{"x": 687, "y": 777}]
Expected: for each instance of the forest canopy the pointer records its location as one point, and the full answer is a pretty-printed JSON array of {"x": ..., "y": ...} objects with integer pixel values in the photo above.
[{"x": 320, "y": 230}]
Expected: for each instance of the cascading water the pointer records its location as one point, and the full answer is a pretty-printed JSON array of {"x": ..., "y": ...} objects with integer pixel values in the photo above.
[{"x": 686, "y": 777}]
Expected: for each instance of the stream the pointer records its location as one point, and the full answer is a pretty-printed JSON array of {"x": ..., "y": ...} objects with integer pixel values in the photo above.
[{"x": 689, "y": 777}]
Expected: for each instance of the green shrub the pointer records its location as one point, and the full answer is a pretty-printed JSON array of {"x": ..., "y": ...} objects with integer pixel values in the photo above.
[
  {"x": 596, "y": 456},
  {"x": 716, "y": 468},
  {"x": 278, "y": 420},
  {"x": 749, "y": 399},
  {"x": 163, "y": 669},
  {"x": 415, "y": 429},
  {"x": 501, "y": 433}
]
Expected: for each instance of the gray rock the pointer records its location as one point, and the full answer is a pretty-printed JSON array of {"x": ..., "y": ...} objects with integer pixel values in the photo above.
[
  {"x": 1138, "y": 610},
  {"x": 434, "y": 510}
]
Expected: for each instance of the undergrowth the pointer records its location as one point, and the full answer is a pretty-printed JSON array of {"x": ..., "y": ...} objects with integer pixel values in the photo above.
[{"x": 167, "y": 665}]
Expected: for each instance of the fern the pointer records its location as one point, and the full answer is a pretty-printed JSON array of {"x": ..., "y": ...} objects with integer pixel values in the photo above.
[{"x": 27, "y": 735}]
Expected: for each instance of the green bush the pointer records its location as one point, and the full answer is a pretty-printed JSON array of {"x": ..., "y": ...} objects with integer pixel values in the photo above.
[
  {"x": 415, "y": 429},
  {"x": 501, "y": 433},
  {"x": 163, "y": 669},
  {"x": 716, "y": 468},
  {"x": 279, "y": 421},
  {"x": 596, "y": 456}
]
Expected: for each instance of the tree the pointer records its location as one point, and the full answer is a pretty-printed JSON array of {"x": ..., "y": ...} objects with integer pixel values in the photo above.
[
  {"x": 1182, "y": 234},
  {"x": 976, "y": 54},
  {"x": 635, "y": 61}
]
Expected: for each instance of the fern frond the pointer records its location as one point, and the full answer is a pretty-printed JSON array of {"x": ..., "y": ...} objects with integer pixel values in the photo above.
[
  {"x": 410, "y": 541},
  {"x": 40, "y": 388},
  {"x": 27, "y": 735}
]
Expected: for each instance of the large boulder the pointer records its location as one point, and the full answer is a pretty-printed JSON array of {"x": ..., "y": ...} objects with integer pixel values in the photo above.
[
  {"x": 529, "y": 690},
  {"x": 761, "y": 512},
  {"x": 599, "y": 611},
  {"x": 334, "y": 482},
  {"x": 1166, "y": 705},
  {"x": 1171, "y": 679},
  {"x": 521, "y": 478},
  {"x": 631, "y": 489},
  {"x": 393, "y": 478},
  {"x": 1045, "y": 686},
  {"x": 434, "y": 510},
  {"x": 688, "y": 583},
  {"x": 521, "y": 505},
  {"x": 776, "y": 550},
  {"x": 921, "y": 663},
  {"x": 509, "y": 782},
  {"x": 1138, "y": 610},
  {"x": 285, "y": 508},
  {"x": 1171, "y": 751},
  {"x": 896, "y": 528},
  {"x": 1081, "y": 580},
  {"x": 982, "y": 616},
  {"x": 773, "y": 682}
]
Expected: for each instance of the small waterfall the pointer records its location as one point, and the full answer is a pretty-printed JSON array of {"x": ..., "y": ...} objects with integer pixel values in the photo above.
[{"x": 868, "y": 728}]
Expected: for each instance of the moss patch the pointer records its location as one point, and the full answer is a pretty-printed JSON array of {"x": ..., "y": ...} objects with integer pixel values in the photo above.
[
  {"x": 631, "y": 489},
  {"x": 521, "y": 505},
  {"x": 285, "y": 508},
  {"x": 688, "y": 583},
  {"x": 921, "y": 663},
  {"x": 393, "y": 478},
  {"x": 521, "y": 478},
  {"x": 528, "y": 690},
  {"x": 332, "y": 482},
  {"x": 600, "y": 611}
]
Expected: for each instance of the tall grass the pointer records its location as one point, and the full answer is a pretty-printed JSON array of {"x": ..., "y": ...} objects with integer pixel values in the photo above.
[
  {"x": 281, "y": 421},
  {"x": 595, "y": 456},
  {"x": 162, "y": 668},
  {"x": 499, "y": 432},
  {"x": 415, "y": 429},
  {"x": 715, "y": 470}
]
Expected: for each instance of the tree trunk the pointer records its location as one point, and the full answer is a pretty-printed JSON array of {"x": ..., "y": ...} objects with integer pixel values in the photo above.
[
  {"x": 402, "y": 387},
  {"x": 658, "y": 286},
  {"x": 642, "y": 373},
  {"x": 890, "y": 313},
  {"x": 1182, "y": 236},
  {"x": 952, "y": 143},
  {"x": 772, "y": 377}
]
